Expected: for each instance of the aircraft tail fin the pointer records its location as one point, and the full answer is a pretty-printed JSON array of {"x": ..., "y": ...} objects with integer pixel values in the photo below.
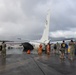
[{"x": 46, "y": 29}]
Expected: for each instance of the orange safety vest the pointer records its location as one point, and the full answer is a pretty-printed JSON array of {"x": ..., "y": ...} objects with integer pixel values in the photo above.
[
  {"x": 48, "y": 48},
  {"x": 40, "y": 49},
  {"x": 28, "y": 52}
]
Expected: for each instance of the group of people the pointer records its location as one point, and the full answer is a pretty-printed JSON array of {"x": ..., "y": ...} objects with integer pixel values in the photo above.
[
  {"x": 47, "y": 48},
  {"x": 64, "y": 48},
  {"x": 3, "y": 49}
]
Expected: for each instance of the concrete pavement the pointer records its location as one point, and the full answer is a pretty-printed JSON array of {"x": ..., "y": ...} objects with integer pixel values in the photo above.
[{"x": 25, "y": 64}]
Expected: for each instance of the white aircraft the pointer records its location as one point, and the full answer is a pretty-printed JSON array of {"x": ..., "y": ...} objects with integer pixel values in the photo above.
[
  {"x": 35, "y": 44},
  {"x": 45, "y": 37}
]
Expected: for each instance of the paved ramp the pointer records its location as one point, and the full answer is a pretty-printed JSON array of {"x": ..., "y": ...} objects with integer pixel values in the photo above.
[{"x": 24, "y": 64}]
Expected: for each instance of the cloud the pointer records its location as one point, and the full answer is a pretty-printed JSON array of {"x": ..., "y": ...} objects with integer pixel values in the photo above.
[
  {"x": 26, "y": 18},
  {"x": 65, "y": 34}
]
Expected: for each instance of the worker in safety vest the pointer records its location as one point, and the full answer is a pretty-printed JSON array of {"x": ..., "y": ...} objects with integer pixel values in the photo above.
[
  {"x": 48, "y": 48},
  {"x": 40, "y": 49},
  {"x": 28, "y": 52}
]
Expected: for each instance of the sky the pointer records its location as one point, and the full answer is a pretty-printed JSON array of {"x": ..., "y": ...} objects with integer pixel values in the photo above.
[{"x": 25, "y": 19}]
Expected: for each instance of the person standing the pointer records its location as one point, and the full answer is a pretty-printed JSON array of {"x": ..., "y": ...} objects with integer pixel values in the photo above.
[
  {"x": 63, "y": 46},
  {"x": 48, "y": 49},
  {"x": 40, "y": 49},
  {"x": 66, "y": 49},
  {"x": 58, "y": 47},
  {"x": 72, "y": 49},
  {"x": 75, "y": 48},
  {"x": 3, "y": 49},
  {"x": 0, "y": 49},
  {"x": 55, "y": 48}
]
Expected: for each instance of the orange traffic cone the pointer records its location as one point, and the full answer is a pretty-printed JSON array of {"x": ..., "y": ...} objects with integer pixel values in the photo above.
[{"x": 28, "y": 52}]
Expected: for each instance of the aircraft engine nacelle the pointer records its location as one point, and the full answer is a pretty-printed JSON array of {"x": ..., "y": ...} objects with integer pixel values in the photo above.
[{"x": 27, "y": 46}]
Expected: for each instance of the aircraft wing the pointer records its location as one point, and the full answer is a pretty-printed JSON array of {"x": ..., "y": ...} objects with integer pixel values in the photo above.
[
  {"x": 60, "y": 40},
  {"x": 6, "y": 41}
]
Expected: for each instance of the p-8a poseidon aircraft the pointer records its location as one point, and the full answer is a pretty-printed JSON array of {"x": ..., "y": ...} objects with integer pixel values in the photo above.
[
  {"x": 35, "y": 43},
  {"x": 45, "y": 37}
]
